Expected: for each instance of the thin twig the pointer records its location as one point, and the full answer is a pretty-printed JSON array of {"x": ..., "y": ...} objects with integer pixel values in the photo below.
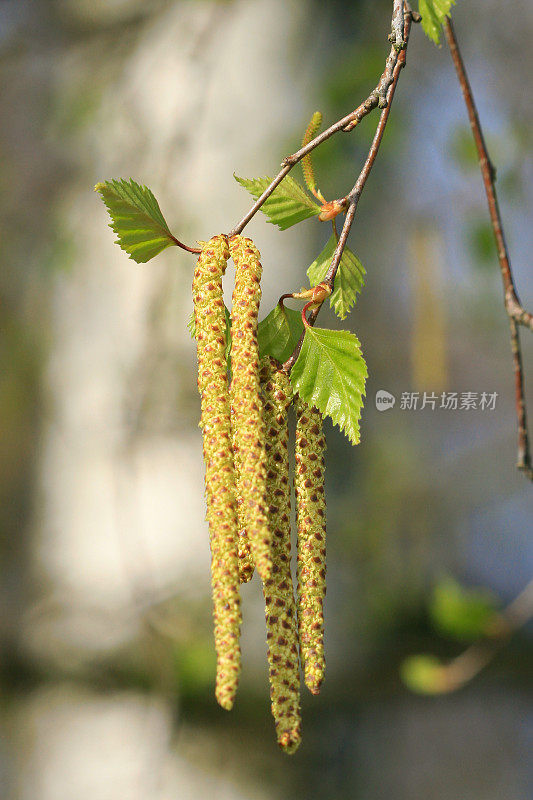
[
  {"x": 376, "y": 98},
  {"x": 352, "y": 199},
  {"x": 516, "y": 313}
]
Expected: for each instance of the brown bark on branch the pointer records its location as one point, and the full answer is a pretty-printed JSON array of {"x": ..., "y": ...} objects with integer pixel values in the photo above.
[
  {"x": 378, "y": 97},
  {"x": 351, "y": 200},
  {"x": 516, "y": 313}
]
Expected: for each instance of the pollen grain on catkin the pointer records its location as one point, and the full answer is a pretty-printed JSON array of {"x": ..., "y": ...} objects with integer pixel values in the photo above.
[{"x": 210, "y": 323}]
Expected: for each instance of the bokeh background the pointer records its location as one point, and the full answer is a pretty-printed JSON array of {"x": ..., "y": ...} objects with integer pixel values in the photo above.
[{"x": 106, "y": 654}]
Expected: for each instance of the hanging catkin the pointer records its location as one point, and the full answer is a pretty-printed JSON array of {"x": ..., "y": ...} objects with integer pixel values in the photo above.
[
  {"x": 282, "y": 639},
  {"x": 311, "y": 523},
  {"x": 219, "y": 471},
  {"x": 247, "y": 422},
  {"x": 246, "y": 561}
]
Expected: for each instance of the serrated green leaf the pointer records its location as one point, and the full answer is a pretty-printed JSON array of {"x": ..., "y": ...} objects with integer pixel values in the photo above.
[
  {"x": 463, "y": 614},
  {"x": 288, "y": 203},
  {"x": 136, "y": 219},
  {"x": 349, "y": 279},
  {"x": 279, "y": 333},
  {"x": 424, "y": 674},
  {"x": 330, "y": 373},
  {"x": 433, "y": 13}
]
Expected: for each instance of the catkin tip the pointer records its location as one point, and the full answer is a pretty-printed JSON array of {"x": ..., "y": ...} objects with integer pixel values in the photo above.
[
  {"x": 290, "y": 741},
  {"x": 314, "y": 684},
  {"x": 224, "y": 701}
]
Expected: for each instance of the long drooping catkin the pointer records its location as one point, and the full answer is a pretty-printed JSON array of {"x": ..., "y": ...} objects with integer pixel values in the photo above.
[
  {"x": 219, "y": 471},
  {"x": 246, "y": 560},
  {"x": 247, "y": 422},
  {"x": 280, "y": 613},
  {"x": 311, "y": 522}
]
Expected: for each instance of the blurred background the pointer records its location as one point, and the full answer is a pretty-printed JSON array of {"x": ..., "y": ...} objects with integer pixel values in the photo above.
[{"x": 106, "y": 652}]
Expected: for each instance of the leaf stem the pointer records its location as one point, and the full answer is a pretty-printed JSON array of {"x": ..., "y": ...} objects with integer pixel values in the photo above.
[{"x": 185, "y": 246}]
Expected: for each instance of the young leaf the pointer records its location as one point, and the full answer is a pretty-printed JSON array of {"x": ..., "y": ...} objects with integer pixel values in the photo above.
[
  {"x": 136, "y": 219},
  {"x": 349, "y": 279},
  {"x": 433, "y": 13},
  {"x": 330, "y": 374},
  {"x": 279, "y": 332},
  {"x": 288, "y": 203}
]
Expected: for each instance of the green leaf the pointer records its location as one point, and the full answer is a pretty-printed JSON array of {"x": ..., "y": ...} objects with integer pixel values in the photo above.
[
  {"x": 136, "y": 219},
  {"x": 463, "y": 614},
  {"x": 349, "y": 279},
  {"x": 433, "y": 13},
  {"x": 330, "y": 374},
  {"x": 424, "y": 674},
  {"x": 279, "y": 333},
  {"x": 288, "y": 203}
]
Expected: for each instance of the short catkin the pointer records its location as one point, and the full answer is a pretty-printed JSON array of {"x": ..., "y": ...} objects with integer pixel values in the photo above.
[
  {"x": 218, "y": 456},
  {"x": 280, "y": 612},
  {"x": 247, "y": 421},
  {"x": 307, "y": 165},
  {"x": 311, "y": 523}
]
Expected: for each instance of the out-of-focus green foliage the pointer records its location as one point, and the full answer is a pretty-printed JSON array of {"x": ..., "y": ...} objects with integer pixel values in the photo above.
[
  {"x": 463, "y": 148},
  {"x": 423, "y": 674},
  {"x": 481, "y": 243},
  {"x": 463, "y": 614},
  {"x": 195, "y": 663}
]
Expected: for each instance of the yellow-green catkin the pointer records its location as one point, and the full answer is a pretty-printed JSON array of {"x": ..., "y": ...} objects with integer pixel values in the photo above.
[
  {"x": 247, "y": 421},
  {"x": 307, "y": 164},
  {"x": 218, "y": 456},
  {"x": 280, "y": 612},
  {"x": 311, "y": 522},
  {"x": 246, "y": 559}
]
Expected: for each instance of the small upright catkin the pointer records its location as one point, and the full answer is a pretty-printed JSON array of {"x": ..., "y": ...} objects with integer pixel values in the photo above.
[
  {"x": 219, "y": 471},
  {"x": 311, "y": 523},
  {"x": 246, "y": 420},
  {"x": 307, "y": 165},
  {"x": 280, "y": 612}
]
